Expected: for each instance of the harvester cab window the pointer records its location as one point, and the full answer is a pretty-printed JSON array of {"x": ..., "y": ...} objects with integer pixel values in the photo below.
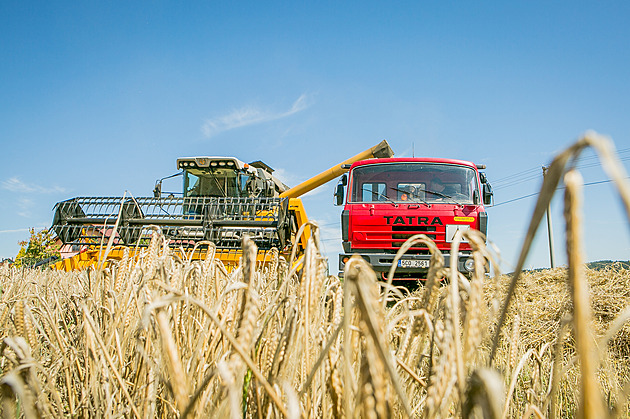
[
  {"x": 217, "y": 183},
  {"x": 243, "y": 181},
  {"x": 191, "y": 183},
  {"x": 205, "y": 186}
]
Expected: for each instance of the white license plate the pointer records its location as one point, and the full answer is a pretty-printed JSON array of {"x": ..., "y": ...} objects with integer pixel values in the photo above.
[
  {"x": 451, "y": 229},
  {"x": 412, "y": 263}
]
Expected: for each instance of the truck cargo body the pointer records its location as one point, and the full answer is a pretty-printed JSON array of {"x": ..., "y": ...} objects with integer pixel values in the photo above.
[{"x": 390, "y": 200}]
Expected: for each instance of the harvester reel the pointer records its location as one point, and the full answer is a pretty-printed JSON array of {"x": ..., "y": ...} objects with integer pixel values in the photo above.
[
  {"x": 65, "y": 211},
  {"x": 130, "y": 233},
  {"x": 208, "y": 216}
]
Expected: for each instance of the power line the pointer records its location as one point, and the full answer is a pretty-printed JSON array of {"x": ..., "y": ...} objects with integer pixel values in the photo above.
[
  {"x": 599, "y": 182},
  {"x": 596, "y": 156},
  {"x": 516, "y": 175},
  {"x": 598, "y": 163},
  {"x": 526, "y": 176},
  {"x": 524, "y": 180},
  {"x": 515, "y": 199}
]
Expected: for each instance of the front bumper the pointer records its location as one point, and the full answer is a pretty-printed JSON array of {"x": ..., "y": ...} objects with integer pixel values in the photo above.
[{"x": 382, "y": 262}]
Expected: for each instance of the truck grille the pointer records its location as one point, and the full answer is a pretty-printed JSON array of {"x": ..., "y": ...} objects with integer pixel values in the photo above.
[{"x": 400, "y": 234}]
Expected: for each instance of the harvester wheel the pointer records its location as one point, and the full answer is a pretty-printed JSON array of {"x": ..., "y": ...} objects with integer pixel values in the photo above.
[
  {"x": 129, "y": 233},
  {"x": 64, "y": 212}
]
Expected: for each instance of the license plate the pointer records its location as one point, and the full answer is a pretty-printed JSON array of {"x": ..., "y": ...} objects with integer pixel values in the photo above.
[
  {"x": 413, "y": 263},
  {"x": 451, "y": 229}
]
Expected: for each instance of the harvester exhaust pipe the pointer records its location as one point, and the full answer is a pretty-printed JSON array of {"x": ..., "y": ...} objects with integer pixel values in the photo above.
[{"x": 381, "y": 150}]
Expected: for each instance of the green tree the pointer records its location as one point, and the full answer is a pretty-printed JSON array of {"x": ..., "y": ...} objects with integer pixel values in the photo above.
[{"x": 39, "y": 247}]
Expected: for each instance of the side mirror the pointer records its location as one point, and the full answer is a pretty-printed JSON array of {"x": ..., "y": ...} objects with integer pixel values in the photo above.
[
  {"x": 476, "y": 198},
  {"x": 339, "y": 195},
  {"x": 157, "y": 191},
  {"x": 487, "y": 194},
  {"x": 339, "y": 192}
]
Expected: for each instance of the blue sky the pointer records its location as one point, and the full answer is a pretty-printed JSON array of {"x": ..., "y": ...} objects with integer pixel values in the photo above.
[{"x": 102, "y": 97}]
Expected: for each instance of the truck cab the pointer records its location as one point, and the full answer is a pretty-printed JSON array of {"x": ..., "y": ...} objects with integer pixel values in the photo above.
[{"x": 389, "y": 200}]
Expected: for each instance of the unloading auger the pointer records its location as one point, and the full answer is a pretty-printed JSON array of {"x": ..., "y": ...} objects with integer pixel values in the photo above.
[{"x": 222, "y": 200}]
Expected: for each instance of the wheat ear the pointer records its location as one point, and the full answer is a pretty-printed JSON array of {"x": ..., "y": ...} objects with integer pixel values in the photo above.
[
  {"x": 362, "y": 279},
  {"x": 484, "y": 395},
  {"x": 19, "y": 318}
]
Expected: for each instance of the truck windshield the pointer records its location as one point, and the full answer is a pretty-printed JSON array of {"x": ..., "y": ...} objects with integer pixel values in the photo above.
[
  {"x": 214, "y": 182},
  {"x": 414, "y": 182}
]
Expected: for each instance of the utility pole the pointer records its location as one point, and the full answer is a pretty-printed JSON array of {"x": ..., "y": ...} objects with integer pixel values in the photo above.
[{"x": 549, "y": 229}]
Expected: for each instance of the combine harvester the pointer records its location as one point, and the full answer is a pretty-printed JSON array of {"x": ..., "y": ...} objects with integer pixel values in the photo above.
[{"x": 222, "y": 200}]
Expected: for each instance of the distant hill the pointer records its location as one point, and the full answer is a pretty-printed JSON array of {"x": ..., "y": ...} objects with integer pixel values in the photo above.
[
  {"x": 597, "y": 265},
  {"x": 602, "y": 264}
]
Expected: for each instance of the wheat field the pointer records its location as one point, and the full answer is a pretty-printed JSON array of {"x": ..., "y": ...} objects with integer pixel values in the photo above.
[{"x": 162, "y": 336}]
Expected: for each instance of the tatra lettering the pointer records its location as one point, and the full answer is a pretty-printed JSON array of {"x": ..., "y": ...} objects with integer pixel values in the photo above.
[{"x": 411, "y": 220}]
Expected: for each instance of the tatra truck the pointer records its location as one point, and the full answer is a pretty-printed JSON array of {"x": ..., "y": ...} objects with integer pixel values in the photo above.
[{"x": 388, "y": 200}]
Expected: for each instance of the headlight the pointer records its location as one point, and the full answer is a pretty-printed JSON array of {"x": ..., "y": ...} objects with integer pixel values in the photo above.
[{"x": 469, "y": 265}]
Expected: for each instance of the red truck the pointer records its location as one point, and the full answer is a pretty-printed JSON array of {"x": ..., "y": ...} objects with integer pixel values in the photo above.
[{"x": 389, "y": 200}]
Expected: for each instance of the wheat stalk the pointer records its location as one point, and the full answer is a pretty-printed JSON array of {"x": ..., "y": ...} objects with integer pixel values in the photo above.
[
  {"x": 591, "y": 405},
  {"x": 173, "y": 362}
]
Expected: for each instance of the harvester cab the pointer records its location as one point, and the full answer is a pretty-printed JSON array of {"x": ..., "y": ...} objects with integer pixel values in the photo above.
[
  {"x": 228, "y": 177},
  {"x": 224, "y": 177}
]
